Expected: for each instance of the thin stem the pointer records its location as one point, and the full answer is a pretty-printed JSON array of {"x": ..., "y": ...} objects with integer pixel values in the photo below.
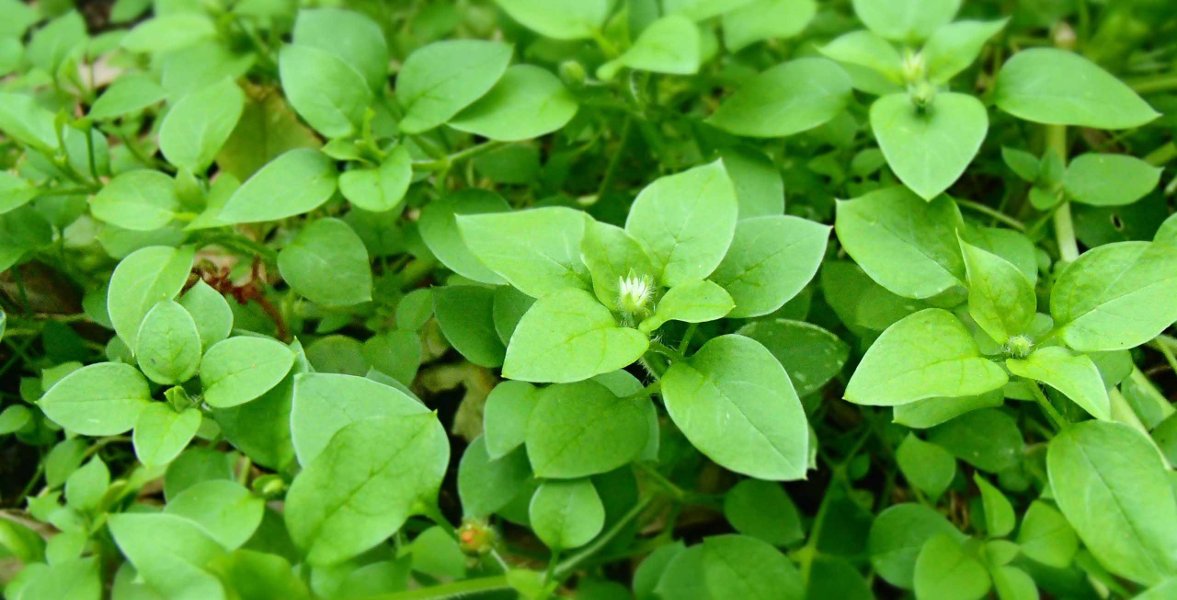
[
  {"x": 1064, "y": 225},
  {"x": 446, "y": 162},
  {"x": 1167, "y": 352},
  {"x": 1162, "y": 155},
  {"x": 1164, "y": 82},
  {"x": 457, "y": 589},
  {"x": 685, "y": 344},
  {"x": 615, "y": 160},
  {"x": 669, "y": 486},
  {"x": 665, "y": 350},
  {"x": 1056, "y": 418},
  {"x": 568, "y": 565},
  {"x": 991, "y": 212}
]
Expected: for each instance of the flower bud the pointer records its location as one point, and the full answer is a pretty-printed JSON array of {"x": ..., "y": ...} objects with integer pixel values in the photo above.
[
  {"x": 634, "y": 293},
  {"x": 1019, "y": 346},
  {"x": 476, "y": 537}
]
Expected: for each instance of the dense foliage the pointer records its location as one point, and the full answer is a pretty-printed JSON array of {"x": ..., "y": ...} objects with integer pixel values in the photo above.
[{"x": 423, "y": 299}]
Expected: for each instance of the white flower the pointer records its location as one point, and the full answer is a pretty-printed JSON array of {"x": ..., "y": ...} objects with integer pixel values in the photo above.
[{"x": 634, "y": 293}]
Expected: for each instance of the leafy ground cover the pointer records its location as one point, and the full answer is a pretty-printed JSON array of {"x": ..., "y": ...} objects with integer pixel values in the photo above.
[{"x": 605, "y": 299}]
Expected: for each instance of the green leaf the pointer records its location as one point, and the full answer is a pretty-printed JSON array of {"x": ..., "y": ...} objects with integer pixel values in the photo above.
[
  {"x": 382, "y": 188},
  {"x": 161, "y": 433},
  {"x": 439, "y": 229},
  {"x": 240, "y": 369},
  {"x": 696, "y": 301},
  {"x": 527, "y": 102},
  {"x": 267, "y": 128},
  {"x": 905, "y": 244},
  {"x": 738, "y": 566},
  {"x": 898, "y": 534},
  {"x": 169, "y": 344},
  {"x": 128, "y": 94},
  {"x": 944, "y": 570},
  {"x": 926, "y": 355},
  {"x": 1109, "y": 179},
  {"x": 787, "y": 99},
  {"x": 700, "y": 10},
  {"x": 987, "y": 439},
  {"x": 905, "y": 20},
  {"x": 1112, "y": 486},
  {"x": 169, "y": 32},
  {"x": 669, "y": 45},
  {"x": 328, "y": 263},
  {"x": 324, "y": 403},
  {"x": 296, "y": 182},
  {"x": 582, "y": 429},
  {"x": 929, "y": 148},
  {"x": 925, "y": 466},
  {"x": 85, "y": 487},
  {"x": 210, "y": 311},
  {"x": 26, "y": 122},
  {"x": 75, "y": 578},
  {"x": 953, "y": 47},
  {"x": 559, "y": 19},
  {"x": 1057, "y": 87},
  {"x": 362, "y": 49},
  {"x": 873, "y": 63},
  {"x": 566, "y": 514},
  {"x": 196, "y": 128},
  {"x": 999, "y": 513},
  {"x": 1116, "y": 296},
  {"x": 536, "y": 250},
  {"x": 735, "y": 403},
  {"x": 372, "y": 475},
  {"x": 168, "y": 552},
  {"x": 223, "y": 509},
  {"x": 612, "y": 256},
  {"x": 1012, "y": 583},
  {"x": 139, "y": 200},
  {"x": 1075, "y": 375},
  {"x": 770, "y": 261},
  {"x": 1001, "y": 299},
  {"x": 766, "y": 20},
  {"x": 466, "y": 316},
  {"x": 1046, "y": 537},
  {"x": 15, "y": 192},
  {"x": 486, "y": 484},
  {"x": 505, "y": 416},
  {"x": 568, "y": 336},
  {"x": 811, "y": 355},
  {"x": 762, "y": 509},
  {"x": 325, "y": 90},
  {"x": 759, "y": 187},
  {"x": 685, "y": 222},
  {"x": 438, "y": 80},
  {"x": 100, "y": 399}
]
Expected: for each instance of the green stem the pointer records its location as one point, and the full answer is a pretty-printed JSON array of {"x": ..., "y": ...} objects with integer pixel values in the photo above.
[
  {"x": 568, "y": 565},
  {"x": 1164, "y": 82},
  {"x": 615, "y": 160},
  {"x": 448, "y": 161},
  {"x": 457, "y": 589},
  {"x": 991, "y": 212},
  {"x": 1162, "y": 155},
  {"x": 1056, "y": 418},
  {"x": 685, "y": 344},
  {"x": 1064, "y": 225},
  {"x": 665, "y": 350},
  {"x": 1167, "y": 352},
  {"x": 669, "y": 486}
]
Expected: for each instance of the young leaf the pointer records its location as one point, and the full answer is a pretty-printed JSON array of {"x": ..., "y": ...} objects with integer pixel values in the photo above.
[
  {"x": 685, "y": 222},
  {"x": 536, "y": 250},
  {"x": 370, "y": 478},
  {"x": 526, "y": 103},
  {"x": 770, "y": 261},
  {"x": 944, "y": 570},
  {"x": 240, "y": 369},
  {"x": 194, "y": 130},
  {"x": 324, "y": 403},
  {"x": 439, "y": 80},
  {"x": 1075, "y": 375},
  {"x": 669, "y": 45},
  {"x": 690, "y": 302},
  {"x": 905, "y": 20},
  {"x": 926, "y": 355},
  {"x": 905, "y": 244},
  {"x": 1001, "y": 299},
  {"x": 100, "y": 399},
  {"x": 582, "y": 429},
  {"x": 161, "y": 433},
  {"x": 128, "y": 94},
  {"x": 169, "y": 344},
  {"x": 568, "y": 336},
  {"x": 210, "y": 311},
  {"x": 953, "y": 47},
  {"x": 139, "y": 200},
  {"x": 26, "y": 122},
  {"x": 873, "y": 64},
  {"x": 559, "y": 19},
  {"x": 169, "y": 32},
  {"x": 328, "y": 263},
  {"x": 1109, "y": 179},
  {"x": 1057, "y": 87},
  {"x": 296, "y": 182},
  {"x": 1111, "y": 485},
  {"x": 142, "y": 279},
  {"x": 929, "y": 148},
  {"x": 1046, "y": 537},
  {"x": 505, "y": 416},
  {"x": 785, "y": 100},
  {"x": 327, "y": 92},
  {"x": 566, "y": 514},
  {"x": 735, "y": 403},
  {"x": 766, "y": 20},
  {"x": 612, "y": 256},
  {"x": 999, "y": 513},
  {"x": 925, "y": 466},
  {"x": 898, "y": 534},
  {"x": 1116, "y": 296},
  {"x": 382, "y": 188}
]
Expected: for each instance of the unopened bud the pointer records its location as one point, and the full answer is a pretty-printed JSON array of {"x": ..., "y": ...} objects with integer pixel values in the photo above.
[
  {"x": 476, "y": 537},
  {"x": 634, "y": 293},
  {"x": 1019, "y": 346}
]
